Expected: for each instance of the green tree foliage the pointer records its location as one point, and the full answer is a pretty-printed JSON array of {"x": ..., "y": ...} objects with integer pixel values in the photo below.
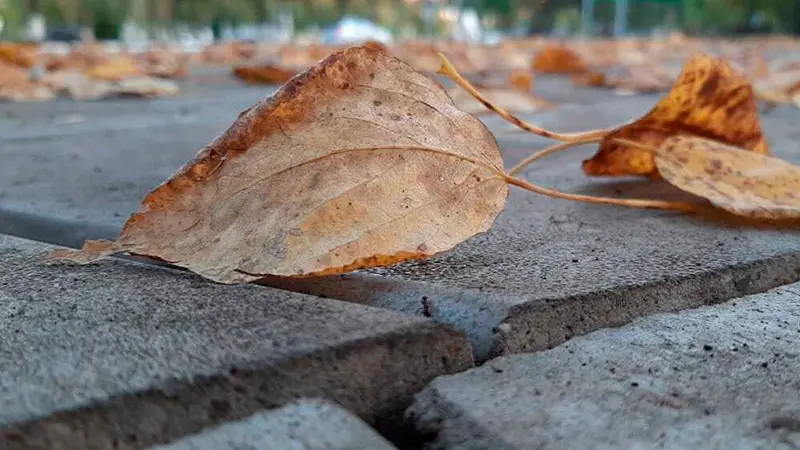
[{"x": 694, "y": 16}]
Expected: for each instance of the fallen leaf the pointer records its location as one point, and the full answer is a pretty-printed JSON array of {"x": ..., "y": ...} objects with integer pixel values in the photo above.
[
  {"x": 509, "y": 98},
  {"x": 521, "y": 80},
  {"x": 22, "y": 55},
  {"x": 740, "y": 181},
  {"x": 229, "y": 52},
  {"x": 358, "y": 162},
  {"x": 16, "y": 85},
  {"x": 116, "y": 70},
  {"x": 641, "y": 79},
  {"x": 78, "y": 85},
  {"x": 143, "y": 86},
  {"x": 557, "y": 59},
  {"x": 264, "y": 74},
  {"x": 778, "y": 88},
  {"x": 27, "y": 92},
  {"x": 590, "y": 79},
  {"x": 708, "y": 100},
  {"x": 163, "y": 63},
  {"x": 377, "y": 45}
]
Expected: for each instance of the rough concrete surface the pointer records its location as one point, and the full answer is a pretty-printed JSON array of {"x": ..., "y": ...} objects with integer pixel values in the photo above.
[
  {"x": 548, "y": 270},
  {"x": 303, "y": 425},
  {"x": 722, "y": 377},
  {"x": 123, "y": 355}
]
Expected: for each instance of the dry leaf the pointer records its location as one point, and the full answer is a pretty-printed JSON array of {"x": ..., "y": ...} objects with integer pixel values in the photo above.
[
  {"x": 360, "y": 161},
  {"x": 78, "y": 85},
  {"x": 115, "y": 70},
  {"x": 740, "y": 181},
  {"x": 163, "y": 63},
  {"x": 778, "y": 88},
  {"x": 637, "y": 79},
  {"x": 16, "y": 85},
  {"x": 21, "y": 55},
  {"x": 708, "y": 100},
  {"x": 521, "y": 80},
  {"x": 557, "y": 59},
  {"x": 510, "y": 98},
  {"x": 143, "y": 86},
  {"x": 264, "y": 74},
  {"x": 27, "y": 92},
  {"x": 590, "y": 79},
  {"x": 377, "y": 45}
]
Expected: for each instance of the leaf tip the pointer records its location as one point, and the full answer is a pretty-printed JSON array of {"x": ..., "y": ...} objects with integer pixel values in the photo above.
[{"x": 92, "y": 251}]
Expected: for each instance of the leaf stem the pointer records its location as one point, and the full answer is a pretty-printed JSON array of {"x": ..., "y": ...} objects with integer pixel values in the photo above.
[
  {"x": 637, "y": 145},
  {"x": 447, "y": 69},
  {"x": 552, "y": 149},
  {"x": 634, "y": 203}
]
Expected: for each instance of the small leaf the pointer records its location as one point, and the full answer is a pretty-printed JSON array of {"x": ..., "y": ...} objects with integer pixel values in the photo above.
[
  {"x": 264, "y": 74},
  {"x": 116, "y": 70},
  {"x": 708, "y": 100},
  {"x": 521, "y": 80},
  {"x": 358, "y": 162},
  {"x": 16, "y": 85},
  {"x": 743, "y": 182},
  {"x": 511, "y": 99},
  {"x": 557, "y": 59},
  {"x": 144, "y": 86},
  {"x": 640, "y": 78},
  {"x": 19, "y": 54}
]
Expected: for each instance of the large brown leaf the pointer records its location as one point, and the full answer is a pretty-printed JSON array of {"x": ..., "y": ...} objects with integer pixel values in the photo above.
[
  {"x": 360, "y": 161},
  {"x": 709, "y": 100}
]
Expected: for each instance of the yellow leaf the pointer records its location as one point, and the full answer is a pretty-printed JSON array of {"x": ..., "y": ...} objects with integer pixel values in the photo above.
[
  {"x": 742, "y": 182},
  {"x": 115, "y": 70},
  {"x": 709, "y": 99}
]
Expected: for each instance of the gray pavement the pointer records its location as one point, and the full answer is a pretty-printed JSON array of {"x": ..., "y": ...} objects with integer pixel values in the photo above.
[
  {"x": 547, "y": 271},
  {"x": 128, "y": 355},
  {"x": 303, "y": 425},
  {"x": 722, "y": 377},
  {"x": 125, "y": 355}
]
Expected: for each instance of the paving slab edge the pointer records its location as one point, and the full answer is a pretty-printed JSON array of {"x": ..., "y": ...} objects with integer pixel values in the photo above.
[
  {"x": 177, "y": 406},
  {"x": 243, "y": 393},
  {"x": 497, "y": 326}
]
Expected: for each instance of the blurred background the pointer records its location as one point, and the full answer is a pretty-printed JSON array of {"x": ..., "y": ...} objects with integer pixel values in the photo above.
[{"x": 196, "y": 23}]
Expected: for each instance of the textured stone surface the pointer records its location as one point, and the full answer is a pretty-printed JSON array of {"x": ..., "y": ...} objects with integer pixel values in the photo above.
[
  {"x": 548, "y": 270},
  {"x": 720, "y": 377},
  {"x": 122, "y": 355},
  {"x": 303, "y": 425}
]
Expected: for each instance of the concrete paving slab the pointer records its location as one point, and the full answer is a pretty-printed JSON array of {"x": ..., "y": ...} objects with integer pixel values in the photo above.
[
  {"x": 303, "y": 425},
  {"x": 547, "y": 271},
  {"x": 123, "y": 355},
  {"x": 720, "y": 377}
]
